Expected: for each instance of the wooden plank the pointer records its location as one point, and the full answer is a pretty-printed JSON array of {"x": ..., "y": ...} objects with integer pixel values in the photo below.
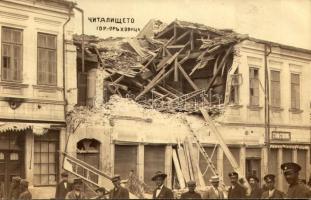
[
  {"x": 181, "y": 37},
  {"x": 193, "y": 161},
  {"x": 179, "y": 173},
  {"x": 168, "y": 165},
  {"x": 193, "y": 85},
  {"x": 187, "y": 155},
  {"x": 154, "y": 82},
  {"x": 191, "y": 41},
  {"x": 176, "y": 46},
  {"x": 176, "y": 70},
  {"x": 167, "y": 91},
  {"x": 119, "y": 79},
  {"x": 164, "y": 32},
  {"x": 183, "y": 162}
]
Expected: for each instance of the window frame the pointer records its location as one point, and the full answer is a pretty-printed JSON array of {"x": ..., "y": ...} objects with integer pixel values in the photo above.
[
  {"x": 272, "y": 93},
  {"x": 55, "y": 140},
  {"x": 253, "y": 67},
  {"x": 291, "y": 92},
  {"x": 46, "y": 82},
  {"x": 12, "y": 44}
]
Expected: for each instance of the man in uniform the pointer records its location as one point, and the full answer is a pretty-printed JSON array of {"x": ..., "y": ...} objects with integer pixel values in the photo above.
[
  {"x": 214, "y": 192},
  {"x": 25, "y": 194},
  {"x": 256, "y": 190},
  {"x": 271, "y": 192},
  {"x": 62, "y": 187},
  {"x": 118, "y": 192},
  {"x": 15, "y": 188},
  {"x": 101, "y": 193},
  {"x": 161, "y": 192},
  {"x": 76, "y": 193},
  {"x": 291, "y": 174},
  {"x": 236, "y": 191},
  {"x": 191, "y": 194}
]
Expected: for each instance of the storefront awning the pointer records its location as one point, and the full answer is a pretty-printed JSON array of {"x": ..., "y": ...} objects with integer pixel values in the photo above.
[
  {"x": 289, "y": 146},
  {"x": 37, "y": 129}
]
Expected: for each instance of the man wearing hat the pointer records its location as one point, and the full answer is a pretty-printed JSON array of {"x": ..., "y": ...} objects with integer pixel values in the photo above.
[
  {"x": 118, "y": 192},
  {"x": 256, "y": 191},
  {"x": 214, "y": 192},
  {"x": 25, "y": 194},
  {"x": 291, "y": 174},
  {"x": 76, "y": 192},
  {"x": 63, "y": 187},
  {"x": 161, "y": 192},
  {"x": 15, "y": 188},
  {"x": 272, "y": 192},
  {"x": 101, "y": 193},
  {"x": 191, "y": 194},
  {"x": 236, "y": 191}
]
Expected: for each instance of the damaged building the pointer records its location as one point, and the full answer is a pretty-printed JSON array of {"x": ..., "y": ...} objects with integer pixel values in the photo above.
[{"x": 141, "y": 101}]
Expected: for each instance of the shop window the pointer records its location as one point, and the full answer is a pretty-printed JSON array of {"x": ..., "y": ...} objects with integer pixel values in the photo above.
[
  {"x": 46, "y": 158},
  {"x": 88, "y": 151},
  {"x": 12, "y": 48}
]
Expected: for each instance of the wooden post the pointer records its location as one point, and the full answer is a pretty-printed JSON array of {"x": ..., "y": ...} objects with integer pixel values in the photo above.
[
  {"x": 140, "y": 161},
  {"x": 308, "y": 167},
  {"x": 112, "y": 153},
  {"x": 168, "y": 165},
  {"x": 280, "y": 175},
  {"x": 242, "y": 160},
  {"x": 264, "y": 162},
  {"x": 29, "y": 156},
  {"x": 294, "y": 155},
  {"x": 191, "y": 41},
  {"x": 220, "y": 163},
  {"x": 179, "y": 173}
]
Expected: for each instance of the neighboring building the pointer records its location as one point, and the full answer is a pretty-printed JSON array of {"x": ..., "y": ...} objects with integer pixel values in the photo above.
[
  {"x": 134, "y": 144},
  {"x": 33, "y": 95}
]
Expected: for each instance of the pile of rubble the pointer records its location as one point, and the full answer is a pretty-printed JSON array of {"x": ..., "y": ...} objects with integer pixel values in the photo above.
[{"x": 181, "y": 68}]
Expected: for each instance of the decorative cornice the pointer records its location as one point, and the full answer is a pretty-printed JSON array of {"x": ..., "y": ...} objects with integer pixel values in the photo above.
[
  {"x": 47, "y": 21},
  {"x": 15, "y": 16}
]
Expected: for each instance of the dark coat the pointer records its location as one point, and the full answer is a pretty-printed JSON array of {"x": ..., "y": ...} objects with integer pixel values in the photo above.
[
  {"x": 165, "y": 193},
  {"x": 277, "y": 194},
  {"x": 298, "y": 191},
  {"x": 237, "y": 192},
  {"x": 120, "y": 193},
  {"x": 26, "y": 195},
  {"x": 61, "y": 190},
  {"x": 72, "y": 195},
  {"x": 190, "y": 195},
  {"x": 14, "y": 192},
  {"x": 256, "y": 192},
  {"x": 211, "y": 194}
]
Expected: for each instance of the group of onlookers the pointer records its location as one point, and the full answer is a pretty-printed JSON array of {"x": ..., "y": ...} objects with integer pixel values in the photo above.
[{"x": 19, "y": 189}]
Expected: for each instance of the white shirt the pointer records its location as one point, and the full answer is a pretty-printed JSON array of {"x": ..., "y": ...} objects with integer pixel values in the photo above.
[
  {"x": 271, "y": 192},
  {"x": 159, "y": 190},
  {"x": 65, "y": 184}
]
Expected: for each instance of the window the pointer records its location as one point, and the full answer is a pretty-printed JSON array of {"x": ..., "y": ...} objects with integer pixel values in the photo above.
[
  {"x": 295, "y": 91},
  {"x": 275, "y": 89},
  {"x": 254, "y": 86},
  {"x": 12, "y": 48},
  {"x": 46, "y": 158},
  {"x": 47, "y": 72},
  {"x": 234, "y": 88}
]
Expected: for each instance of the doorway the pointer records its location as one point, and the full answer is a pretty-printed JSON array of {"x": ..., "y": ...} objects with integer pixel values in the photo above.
[
  {"x": 253, "y": 167},
  {"x": 11, "y": 159}
]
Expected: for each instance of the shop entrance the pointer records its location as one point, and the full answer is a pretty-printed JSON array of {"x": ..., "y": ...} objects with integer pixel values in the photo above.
[{"x": 12, "y": 145}]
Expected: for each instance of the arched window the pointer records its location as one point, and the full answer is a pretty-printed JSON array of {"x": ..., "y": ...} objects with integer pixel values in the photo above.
[{"x": 88, "y": 150}]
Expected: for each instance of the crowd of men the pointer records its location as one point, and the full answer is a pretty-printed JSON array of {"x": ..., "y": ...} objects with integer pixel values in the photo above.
[
  {"x": 238, "y": 188},
  {"x": 19, "y": 189}
]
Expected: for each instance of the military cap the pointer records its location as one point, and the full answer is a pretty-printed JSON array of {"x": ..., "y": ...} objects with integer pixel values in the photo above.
[
  {"x": 191, "y": 183},
  {"x": 16, "y": 178},
  {"x": 253, "y": 177},
  {"x": 64, "y": 174},
  {"x": 158, "y": 174},
  {"x": 269, "y": 177},
  {"x": 214, "y": 179},
  {"x": 233, "y": 174},
  {"x": 77, "y": 181},
  {"x": 290, "y": 167},
  {"x": 116, "y": 177}
]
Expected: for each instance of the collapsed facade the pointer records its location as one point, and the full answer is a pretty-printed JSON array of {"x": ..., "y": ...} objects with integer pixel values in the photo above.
[
  {"x": 165, "y": 78},
  {"x": 138, "y": 99}
]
